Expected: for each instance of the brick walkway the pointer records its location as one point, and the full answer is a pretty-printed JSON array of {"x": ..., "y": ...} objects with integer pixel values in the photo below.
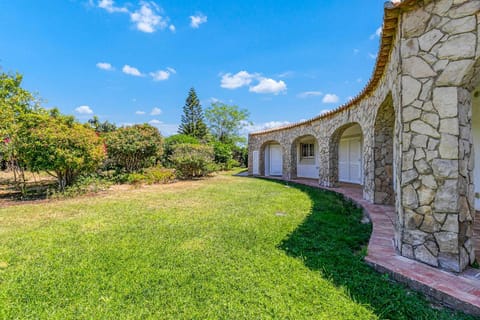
[{"x": 461, "y": 292}]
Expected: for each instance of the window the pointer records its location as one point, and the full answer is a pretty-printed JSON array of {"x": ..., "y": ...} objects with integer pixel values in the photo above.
[{"x": 308, "y": 150}]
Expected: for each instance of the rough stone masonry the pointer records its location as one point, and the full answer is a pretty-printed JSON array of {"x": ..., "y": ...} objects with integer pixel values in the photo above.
[{"x": 416, "y": 121}]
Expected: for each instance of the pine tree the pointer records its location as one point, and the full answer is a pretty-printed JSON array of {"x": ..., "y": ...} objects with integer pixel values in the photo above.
[{"x": 192, "y": 119}]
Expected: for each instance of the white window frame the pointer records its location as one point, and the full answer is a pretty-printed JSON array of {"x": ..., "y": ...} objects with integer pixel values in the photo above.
[{"x": 310, "y": 150}]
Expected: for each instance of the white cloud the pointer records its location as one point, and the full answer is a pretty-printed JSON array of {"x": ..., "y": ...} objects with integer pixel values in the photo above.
[
  {"x": 377, "y": 33},
  {"x": 140, "y": 112},
  {"x": 167, "y": 129},
  {"x": 286, "y": 74},
  {"x": 155, "y": 122},
  {"x": 160, "y": 75},
  {"x": 196, "y": 21},
  {"x": 240, "y": 79},
  {"x": 372, "y": 56},
  {"x": 105, "y": 66},
  {"x": 264, "y": 126},
  {"x": 307, "y": 94},
  {"x": 84, "y": 110},
  {"x": 330, "y": 98},
  {"x": 147, "y": 18},
  {"x": 156, "y": 112},
  {"x": 243, "y": 78},
  {"x": 109, "y": 5},
  {"x": 267, "y": 85},
  {"x": 132, "y": 71},
  {"x": 324, "y": 111}
]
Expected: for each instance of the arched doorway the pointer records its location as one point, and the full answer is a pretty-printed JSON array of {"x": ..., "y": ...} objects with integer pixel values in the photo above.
[
  {"x": 383, "y": 154},
  {"x": 305, "y": 163},
  {"x": 346, "y": 155},
  {"x": 271, "y": 159}
]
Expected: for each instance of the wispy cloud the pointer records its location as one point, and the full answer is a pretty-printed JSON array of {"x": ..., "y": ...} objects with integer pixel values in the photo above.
[
  {"x": 140, "y": 112},
  {"x": 308, "y": 94},
  {"x": 167, "y": 129},
  {"x": 286, "y": 74},
  {"x": 172, "y": 28},
  {"x": 84, "y": 110},
  {"x": 105, "y": 66},
  {"x": 372, "y": 56},
  {"x": 264, "y": 126},
  {"x": 109, "y": 5},
  {"x": 155, "y": 122},
  {"x": 147, "y": 18},
  {"x": 156, "y": 112},
  {"x": 376, "y": 34},
  {"x": 132, "y": 71},
  {"x": 267, "y": 85},
  {"x": 330, "y": 98},
  {"x": 197, "y": 20}
]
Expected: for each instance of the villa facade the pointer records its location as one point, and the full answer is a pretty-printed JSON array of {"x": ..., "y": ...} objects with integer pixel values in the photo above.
[{"x": 411, "y": 138}]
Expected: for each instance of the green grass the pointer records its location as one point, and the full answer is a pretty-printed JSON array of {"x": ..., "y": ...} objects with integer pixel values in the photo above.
[{"x": 224, "y": 248}]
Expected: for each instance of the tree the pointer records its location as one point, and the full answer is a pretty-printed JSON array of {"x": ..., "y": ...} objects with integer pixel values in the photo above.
[
  {"x": 60, "y": 146},
  {"x": 101, "y": 127},
  {"x": 134, "y": 148},
  {"x": 225, "y": 122},
  {"x": 15, "y": 102},
  {"x": 192, "y": 119}
]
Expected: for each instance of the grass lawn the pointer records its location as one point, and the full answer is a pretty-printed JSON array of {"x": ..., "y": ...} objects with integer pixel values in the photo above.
[{"x": 223, "y": 248}]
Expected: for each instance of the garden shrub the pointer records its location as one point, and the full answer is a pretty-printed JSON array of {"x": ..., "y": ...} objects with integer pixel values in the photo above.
[
  {"x": 192, "y": 161},
  {"x": 222, "y": 155},
  {"x": 83, "y": 185},
  {"x": 153, "y": 175},
  {"x": 134, "y": 148},
  {"x": 171, "y": 142}
]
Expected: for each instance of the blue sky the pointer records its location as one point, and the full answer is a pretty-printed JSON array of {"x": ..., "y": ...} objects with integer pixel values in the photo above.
[{"x": 134, "y": 61}]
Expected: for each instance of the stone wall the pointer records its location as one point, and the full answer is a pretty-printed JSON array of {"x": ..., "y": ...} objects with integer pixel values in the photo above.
[{"x": 416, "y": 125}]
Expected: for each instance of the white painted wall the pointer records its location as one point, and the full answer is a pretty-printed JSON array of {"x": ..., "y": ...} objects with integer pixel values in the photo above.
[
  {"x": 476, "y": 144},
  {"x": 307, "y": 168},
  {"x": 256, "y": 163}
]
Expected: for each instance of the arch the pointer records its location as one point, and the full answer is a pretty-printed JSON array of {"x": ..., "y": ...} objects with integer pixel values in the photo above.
[
  {"x": 347, "y": 136},
  {"x": 383, "y": 150},
  {"x": 305, "y": 157},
  {"x": 269, "y": 154}
]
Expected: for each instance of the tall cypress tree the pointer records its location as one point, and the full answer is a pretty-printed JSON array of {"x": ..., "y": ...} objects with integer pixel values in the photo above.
[{"x": 192, "y": 119}]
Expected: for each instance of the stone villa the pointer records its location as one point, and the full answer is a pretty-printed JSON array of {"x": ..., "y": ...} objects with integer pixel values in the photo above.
[{"x": 410, "y": 139}]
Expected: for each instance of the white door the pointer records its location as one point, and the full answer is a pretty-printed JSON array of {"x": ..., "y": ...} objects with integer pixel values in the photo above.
[
  {"x": 276, "y": 161},
  {"x": 356, "y": 161},
  {"x": 343, "y": 159},
  {"x": 256, "y": 163},
  {"x": 350, "y": 160}
]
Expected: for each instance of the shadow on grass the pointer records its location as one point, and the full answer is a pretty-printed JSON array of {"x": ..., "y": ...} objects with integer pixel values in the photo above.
[{"x": 333, "y": 241}]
